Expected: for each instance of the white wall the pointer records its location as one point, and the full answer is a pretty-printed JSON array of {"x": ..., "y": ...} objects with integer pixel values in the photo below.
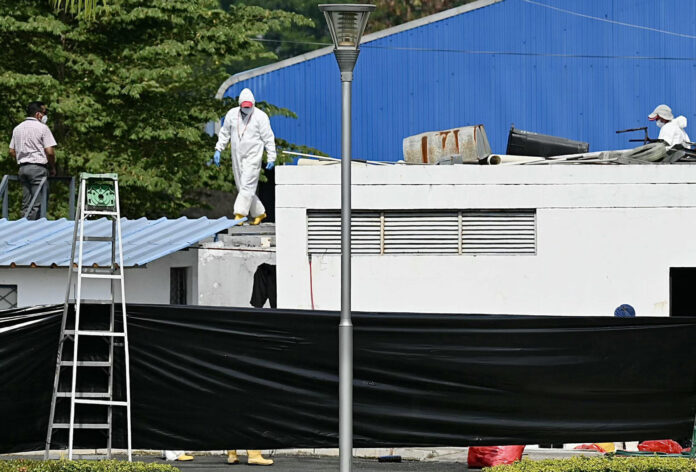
[
  {"x": 606, "y": 235},
  {"x": 226, "y": 274},
  {"x": 217, "y": 276},
  {"x": 39, "y": 286}
]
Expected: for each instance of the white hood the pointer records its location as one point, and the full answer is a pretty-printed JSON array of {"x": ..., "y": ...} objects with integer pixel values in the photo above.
[
  {"x": 680, "y": 121},
  {"x": 247, "y": 96}
]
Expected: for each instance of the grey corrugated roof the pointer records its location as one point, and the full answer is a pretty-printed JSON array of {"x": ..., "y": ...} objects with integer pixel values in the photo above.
[{"x": 47, "y": 243}]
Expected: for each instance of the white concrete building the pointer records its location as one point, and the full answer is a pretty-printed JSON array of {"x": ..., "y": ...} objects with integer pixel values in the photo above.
[
  {"x": 551, "y": 240},
  {"x": 212, "y": 268}
]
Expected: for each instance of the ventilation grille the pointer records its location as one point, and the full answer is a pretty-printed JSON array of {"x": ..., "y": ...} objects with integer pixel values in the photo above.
[
  {"x": 441, "y": 232},
  {"x": 324, "y": 230}
]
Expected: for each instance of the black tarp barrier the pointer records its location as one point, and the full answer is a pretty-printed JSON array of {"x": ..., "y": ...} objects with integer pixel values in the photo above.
[{"x": 215, "y": 378}]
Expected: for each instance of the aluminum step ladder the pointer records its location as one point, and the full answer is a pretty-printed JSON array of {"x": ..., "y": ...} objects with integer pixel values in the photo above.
[{"x": 98, "y": 197}]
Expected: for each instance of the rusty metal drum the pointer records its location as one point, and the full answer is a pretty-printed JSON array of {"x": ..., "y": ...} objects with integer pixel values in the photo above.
[{"x": 468, "y": 143}]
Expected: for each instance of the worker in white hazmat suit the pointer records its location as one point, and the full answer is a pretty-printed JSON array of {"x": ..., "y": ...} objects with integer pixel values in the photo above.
[
  {"x": 254, "y": 457},
  {"x": 176, "y": 456},
  {"x": 248, "y": 130},
  {"x": 671, "y": 129}
]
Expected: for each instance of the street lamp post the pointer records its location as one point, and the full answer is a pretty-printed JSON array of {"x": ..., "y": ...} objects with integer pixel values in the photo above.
[{"x": 347, "y": 24}]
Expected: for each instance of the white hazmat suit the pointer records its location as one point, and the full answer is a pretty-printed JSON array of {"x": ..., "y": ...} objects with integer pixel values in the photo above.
[
  {"x": 671, "y": 129},
  {"x": 673, "y": 132},
  {"x": 247, "y": 137}
]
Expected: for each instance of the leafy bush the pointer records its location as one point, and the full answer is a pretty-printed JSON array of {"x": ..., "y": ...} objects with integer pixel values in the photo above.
[
  {"x": 600, "y": 464},
  {"x": 23, "y": 465}
]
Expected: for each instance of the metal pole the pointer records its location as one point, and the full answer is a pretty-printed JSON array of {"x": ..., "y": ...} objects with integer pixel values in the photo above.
[
  {"x": 71, "y": 207},
  {"x": 4, "y": 190},
  {"x": 345, "y": 327},
  {"x": 44, "y": 199}
]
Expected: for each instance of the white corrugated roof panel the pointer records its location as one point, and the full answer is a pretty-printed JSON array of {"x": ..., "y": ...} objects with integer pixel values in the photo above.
[{"x": 47, "y": 243}]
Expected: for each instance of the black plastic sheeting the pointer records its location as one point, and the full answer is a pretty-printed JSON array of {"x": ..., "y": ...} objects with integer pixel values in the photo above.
[{"x": 215, "y": 378}]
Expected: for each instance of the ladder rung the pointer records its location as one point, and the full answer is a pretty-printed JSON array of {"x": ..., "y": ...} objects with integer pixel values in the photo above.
[
  {"x": 101, "y": 276},
  {"x": 100, "y": 212},
  {"x": 96, "y": 270},
  {"x": 101, "y": 402},
  {"x": 86, "y": 363},
  {"x": 82, "y": 332},
  {"x": 84, "y": 395},
  {"x": 105, "y": 239},
  {"x": 92, "y": 301},
  {"x": 81, "y": 425}
]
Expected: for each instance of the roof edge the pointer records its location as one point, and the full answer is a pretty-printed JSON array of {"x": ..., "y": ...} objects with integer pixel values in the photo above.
[{"x": 443, "y": 15}]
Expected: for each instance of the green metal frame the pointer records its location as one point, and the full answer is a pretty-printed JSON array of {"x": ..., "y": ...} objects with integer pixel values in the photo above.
[
  {"x": 650, "y": 454},
  {"x": 100, "y": 193}
]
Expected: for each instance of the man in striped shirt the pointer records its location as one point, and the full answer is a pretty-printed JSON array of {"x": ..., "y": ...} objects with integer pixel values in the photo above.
[{"x": 32, "y": 146}]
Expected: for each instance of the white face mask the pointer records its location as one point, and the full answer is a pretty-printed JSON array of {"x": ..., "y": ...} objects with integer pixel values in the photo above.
[
  {"x": 246, "y": 110},
  {"x": 659, "y": 123},
  {"x": 44, "y": 119}
]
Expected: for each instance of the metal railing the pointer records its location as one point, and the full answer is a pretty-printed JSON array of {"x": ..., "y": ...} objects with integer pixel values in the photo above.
[{"x": 41, "y": 192}]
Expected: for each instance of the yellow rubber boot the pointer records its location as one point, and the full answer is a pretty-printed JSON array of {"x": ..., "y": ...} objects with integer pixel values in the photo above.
[
  {"x": 237, "y": 216},
  {"x": 184, "y": 457},
  {"x": 258, "y": 219},
  {"x": 232, "y": 457},
  {"x": 255, "y": 458}
]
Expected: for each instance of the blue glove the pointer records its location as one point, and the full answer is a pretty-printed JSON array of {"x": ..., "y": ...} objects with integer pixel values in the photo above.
[
  {"x": 216, "y": 158},
  {"x": 270, "y": 165}
]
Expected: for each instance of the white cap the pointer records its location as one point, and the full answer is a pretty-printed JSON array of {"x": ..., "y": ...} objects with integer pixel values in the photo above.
[{"x": 663, "y": 111}]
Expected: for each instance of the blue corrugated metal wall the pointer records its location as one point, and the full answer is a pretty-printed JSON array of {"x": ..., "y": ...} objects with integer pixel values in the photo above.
[{"x": 553, "y": 73}]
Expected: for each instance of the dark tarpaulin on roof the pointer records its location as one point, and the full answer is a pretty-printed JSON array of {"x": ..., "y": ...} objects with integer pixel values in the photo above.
[{"x": 216, "y": 378}]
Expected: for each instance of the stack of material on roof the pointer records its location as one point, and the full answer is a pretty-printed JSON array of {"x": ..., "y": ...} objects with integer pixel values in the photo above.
[
  {"x": 653, "y": 153},
  {"x": 469, "y": 145}
]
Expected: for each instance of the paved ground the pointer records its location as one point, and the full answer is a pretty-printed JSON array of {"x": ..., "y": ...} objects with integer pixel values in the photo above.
[
  {"x": 312, "y": 464},
  {"x": 297, "y": 464},
  {"x": 296, "y": 460}
]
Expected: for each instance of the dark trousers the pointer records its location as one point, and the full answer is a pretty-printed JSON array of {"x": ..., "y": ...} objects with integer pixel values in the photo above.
[{"x": 30, "y": 176}]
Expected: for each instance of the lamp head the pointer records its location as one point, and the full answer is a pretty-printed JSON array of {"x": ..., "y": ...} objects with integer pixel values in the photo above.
[{"x": 347, "y": 24}]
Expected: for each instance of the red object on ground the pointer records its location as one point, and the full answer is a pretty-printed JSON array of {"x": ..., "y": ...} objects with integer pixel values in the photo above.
[
  {"x": 663, "y": 445},
  {"x": 488, "y": 456},
  {"x": 590, "y": 447}
]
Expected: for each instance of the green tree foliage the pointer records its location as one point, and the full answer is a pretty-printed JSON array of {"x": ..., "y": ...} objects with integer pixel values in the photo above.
[
  {"x": 130, "y": 89},
  {"x": 292, "y": 41},
  {"x": 297, "y": 40},
  {"x": 395, "y": 12},
  {"x": 86, "y": 7}
]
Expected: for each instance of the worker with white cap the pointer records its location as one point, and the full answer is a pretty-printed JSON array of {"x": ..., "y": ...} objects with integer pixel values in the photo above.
[
  {"x": 248, "y": 130},
  {"x": 671, "y": 129}
]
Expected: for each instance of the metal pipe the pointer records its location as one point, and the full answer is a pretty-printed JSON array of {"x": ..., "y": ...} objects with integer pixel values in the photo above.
[
  {"x": 345, "y": 327},
  {"x": 4, "y": 192},
  {"x": 44, "y": 199},
  {"x": 335, "y": 159},
  {"x": 71, "y": 202}
]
